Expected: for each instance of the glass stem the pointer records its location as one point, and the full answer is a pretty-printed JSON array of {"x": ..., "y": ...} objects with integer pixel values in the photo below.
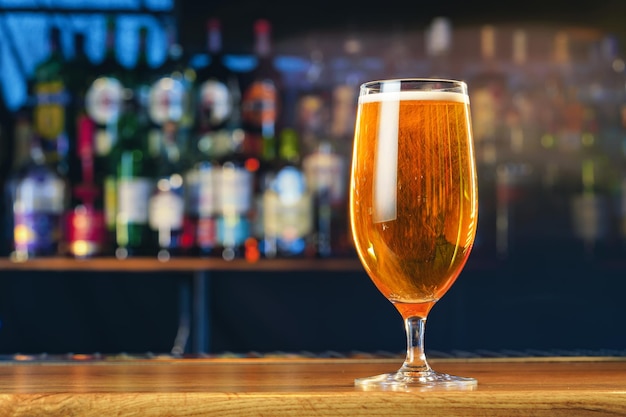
[{"x": 415, "y": 357}]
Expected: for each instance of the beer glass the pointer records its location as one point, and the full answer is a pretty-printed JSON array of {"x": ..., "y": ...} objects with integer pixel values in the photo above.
[{"x": 413, "y": 206}]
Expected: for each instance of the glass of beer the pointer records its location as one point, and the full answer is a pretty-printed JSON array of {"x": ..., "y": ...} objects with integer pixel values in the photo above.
[{"x": 413, "y": 206}]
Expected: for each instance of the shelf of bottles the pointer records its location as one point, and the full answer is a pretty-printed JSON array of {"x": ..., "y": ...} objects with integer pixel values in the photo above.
[
  {"x": 169, "y": 162},
  {"x": 189, "y": 161}
]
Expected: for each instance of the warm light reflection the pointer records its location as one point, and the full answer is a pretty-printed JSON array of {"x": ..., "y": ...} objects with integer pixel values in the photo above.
[{"x": 385, "y": 168}]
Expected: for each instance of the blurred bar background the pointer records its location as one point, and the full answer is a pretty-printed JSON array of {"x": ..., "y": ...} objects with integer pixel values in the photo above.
[{"x": 547, "y": 86}]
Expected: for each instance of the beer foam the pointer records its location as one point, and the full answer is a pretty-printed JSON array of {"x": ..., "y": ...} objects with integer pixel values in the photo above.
[{"x": 415, "y": 96}]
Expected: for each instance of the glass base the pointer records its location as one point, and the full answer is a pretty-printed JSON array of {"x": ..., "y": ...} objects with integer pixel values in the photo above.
[{"x": 415, "y": 381}]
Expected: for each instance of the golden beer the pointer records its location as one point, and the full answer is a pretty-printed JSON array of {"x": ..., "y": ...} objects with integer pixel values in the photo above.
[{"x": 413, "y": 199}]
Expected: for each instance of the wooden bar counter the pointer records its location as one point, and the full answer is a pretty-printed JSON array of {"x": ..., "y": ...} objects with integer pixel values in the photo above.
[{"x": 306, "y": 387}]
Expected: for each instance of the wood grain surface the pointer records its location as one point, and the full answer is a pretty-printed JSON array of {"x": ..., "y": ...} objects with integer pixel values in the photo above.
[{"x": 306, "y": 387}]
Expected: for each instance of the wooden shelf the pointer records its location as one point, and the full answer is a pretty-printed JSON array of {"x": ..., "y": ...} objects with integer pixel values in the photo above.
[{"x": 180, "y": 264}]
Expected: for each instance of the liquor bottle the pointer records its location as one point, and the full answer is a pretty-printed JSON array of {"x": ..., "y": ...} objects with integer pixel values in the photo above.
[
  {"x": 51, "y": 100},
  {"x": 103, "y": 103},
  {"x": 86, "y": 229},
  {"x": 261, "y": 103},
  {"x": 323, "y": 166},
  {"x": 110, "y": 65},
  {"x": 217, "y": 93},
  {"x": 233, "y": 223},
  {"x": 80, "y": 73},
  {"x": 133, "y": 181},
  {"x": 338, "y": 142},
  {"x": 235, "y": 205},
  {"x": 238, "y": 177},
  {"x": 176, "y": 67},
  {"x": 142, "y": 75},
  {"x": 268, "y": 164},
  {"x": 217, "y": 133},
  {"x": 169, "y": 92},
  {"x": 348, "y": 77},
  {"x": 262, "y": 116},
  {"x": 39, "y": 202},
  {"x": 171, "y": 116},
  {"x": 287, "y": 204},
  {"x": 139, "y": 79},
  {"x": 322, "y": 169},
  {"x": 235, "y": 179},
  {"x": 314, "y": 102},
  {"x": 201, "y": 202},
  {"x": 166, "y": 211}
]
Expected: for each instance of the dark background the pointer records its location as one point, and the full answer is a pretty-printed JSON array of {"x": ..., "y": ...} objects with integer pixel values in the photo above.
[
  {"x": 295, "y": 19},
  {"x": 548, "y": 299},
  {"x": 532, "y": 307}
]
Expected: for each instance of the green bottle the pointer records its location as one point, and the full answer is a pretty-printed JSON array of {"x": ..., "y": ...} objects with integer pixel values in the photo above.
[
  {"x": 133, "y": 181},
  {"x": 51, "y": 100},
  {"x": 103, "y": 98},
  {"x": 287, "y": 203},
  {"x": 166, "y": 205},
  {"x": 103, "y": 103}
]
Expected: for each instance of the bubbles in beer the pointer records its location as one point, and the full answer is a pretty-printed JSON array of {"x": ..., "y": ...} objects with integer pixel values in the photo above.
[{"x": 423, "y": 210}]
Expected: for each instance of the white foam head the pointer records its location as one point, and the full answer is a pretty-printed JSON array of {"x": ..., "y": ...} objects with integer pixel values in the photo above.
[{"x": 416, "y": 96}]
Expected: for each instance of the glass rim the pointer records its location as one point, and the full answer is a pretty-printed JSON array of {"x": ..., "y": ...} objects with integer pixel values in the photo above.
[{"x": 451, "y": 81}]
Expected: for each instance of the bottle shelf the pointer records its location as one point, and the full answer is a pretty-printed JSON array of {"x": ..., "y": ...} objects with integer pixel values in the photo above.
[{"x": 189, "y": 264}]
